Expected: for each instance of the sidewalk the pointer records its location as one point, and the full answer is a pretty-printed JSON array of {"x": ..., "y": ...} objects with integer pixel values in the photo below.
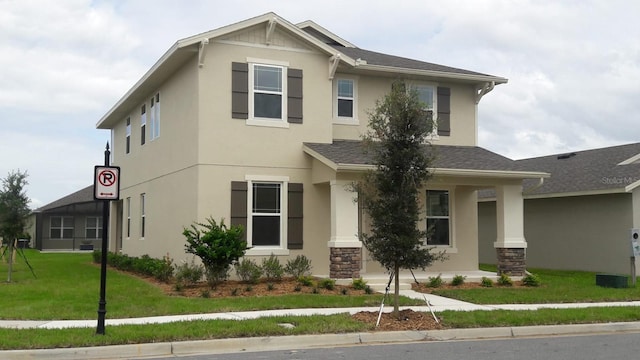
[{"x": 437, "y": 303}]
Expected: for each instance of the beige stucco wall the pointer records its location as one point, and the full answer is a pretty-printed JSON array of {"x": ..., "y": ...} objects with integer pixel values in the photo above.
[{"x": 573, "y": 233}]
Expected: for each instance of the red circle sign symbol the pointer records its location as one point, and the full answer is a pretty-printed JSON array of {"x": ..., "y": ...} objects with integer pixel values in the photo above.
[{"x": 107, "y": 177}]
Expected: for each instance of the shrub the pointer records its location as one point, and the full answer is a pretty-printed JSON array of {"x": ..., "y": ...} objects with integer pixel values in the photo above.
[
  {"x": 249, "y": 288},
  {"x": 305, "y": 280},
  {"x": 486, "y": 282},
  {"x": 298, "y": 288},
  {"x": 435, "y": 282},
  {"x": 97, "y": 256},
  {"x": 205, "y": 294},
  {"x": 328, "y": 284},
  {"x": 300, "y": 266},
  {"x": 368, "y": 290},
  {"x": 359, "y": 284},
  {"x": 504, "y": 280},
  {"x": 163, "y": 269},
  {"x": 344, "y": 291},
  {"x": 234, "y": 292},
  {"x": 272, "y": 268},
  {"x": 458, "y": 280},
  {"x": 189, "y": 273},
  {"x": 531, "y": 280},
  {"x": 248, "y": 271},
  {"x": 217, "y": 246},
  {"x": 270, "y": 286}
]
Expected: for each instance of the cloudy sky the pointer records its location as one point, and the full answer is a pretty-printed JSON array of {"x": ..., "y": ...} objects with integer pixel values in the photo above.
[{"x": 573, "y": 68}]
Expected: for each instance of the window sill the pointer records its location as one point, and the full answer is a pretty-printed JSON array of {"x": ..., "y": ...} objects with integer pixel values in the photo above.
[
  {"x": 345, "y": 121},
  {"x": 265, "y": 251},
  {"x": 268, "y": 123}
]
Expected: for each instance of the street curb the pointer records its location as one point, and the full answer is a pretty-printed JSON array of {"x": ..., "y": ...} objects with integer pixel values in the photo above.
[{"x": 298, "y": 342}]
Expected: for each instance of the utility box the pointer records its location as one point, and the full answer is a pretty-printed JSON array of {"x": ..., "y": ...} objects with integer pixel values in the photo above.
[{"x": 612, "y": 281}]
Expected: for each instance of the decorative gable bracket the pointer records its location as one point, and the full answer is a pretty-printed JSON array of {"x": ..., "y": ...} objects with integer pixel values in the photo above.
[
  {"x": 484, "y": 90},
  {"x": 271, "y": 29},
  {"x": 201, "y": 52},
  {"x": 333, "y": 65}
]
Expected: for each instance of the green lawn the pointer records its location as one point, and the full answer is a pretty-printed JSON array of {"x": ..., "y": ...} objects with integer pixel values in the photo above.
[
  {"x": 67, "y": 287},
  {"x": 557, "y": 287}
]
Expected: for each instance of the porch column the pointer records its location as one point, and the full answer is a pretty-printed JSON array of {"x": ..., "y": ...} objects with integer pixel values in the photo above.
[
  {"x": 344, "y": 245},
  {"x": 510, "y": 243}
]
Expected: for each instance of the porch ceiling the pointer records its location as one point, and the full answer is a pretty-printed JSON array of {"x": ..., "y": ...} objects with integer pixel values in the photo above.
[{"x": 453, "y": 161}]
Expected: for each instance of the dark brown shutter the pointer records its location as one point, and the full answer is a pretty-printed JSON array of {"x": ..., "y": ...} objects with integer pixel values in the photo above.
[
  {"x": 444, "y": 111},
  {"x": 239, "y": 90},
  {"x": 294, "y": 96},
  {"x": 239, "y": 205},
  {"x": 294, "y": 224}
]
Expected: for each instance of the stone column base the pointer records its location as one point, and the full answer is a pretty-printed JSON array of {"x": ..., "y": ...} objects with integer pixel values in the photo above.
[
  {"x": 345, "y": 263},
  {"x": 511, "y": 261}
]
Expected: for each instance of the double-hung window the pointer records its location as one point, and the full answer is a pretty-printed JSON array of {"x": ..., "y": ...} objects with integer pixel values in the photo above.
[
  {"x": 61, "y": 227},
  {"x": 266, "y": 214},
  {"x": 93, "y": 227},
  {"x": 345, "y": 101},
  {"x": 427, "y": 95},
  {"x": 268, "y": 94},
  {"x": 143, "y": 124},
  {"x": 438, "y": 218},
  {"x": 154, "y": 121},
  {"x": 128, "y": 137}
]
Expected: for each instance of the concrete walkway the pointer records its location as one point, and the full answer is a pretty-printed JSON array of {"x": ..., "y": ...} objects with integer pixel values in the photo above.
[{"x": 437, "y": 304}]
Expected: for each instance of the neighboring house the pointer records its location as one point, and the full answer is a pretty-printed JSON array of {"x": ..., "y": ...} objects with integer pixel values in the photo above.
[
  {"x": 73, "y": 222},
  {"x": 581, "y": 217},
  {"x": 259, "y": 123}
]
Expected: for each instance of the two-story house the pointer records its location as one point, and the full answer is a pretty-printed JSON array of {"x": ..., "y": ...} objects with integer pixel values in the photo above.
[{"x": 260, "y": 122}]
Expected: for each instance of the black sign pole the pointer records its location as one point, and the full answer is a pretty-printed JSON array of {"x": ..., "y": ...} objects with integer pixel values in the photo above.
[{"x": 102, "y": 304}]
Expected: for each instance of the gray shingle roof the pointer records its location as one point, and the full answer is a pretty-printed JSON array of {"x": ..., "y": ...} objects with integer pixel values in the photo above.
[
  {"x": 376, "y": 58},
  {"x": 80, "y": 196},
  {"x": 589, "y": 170},
  {"x": 351, "y": 152}
]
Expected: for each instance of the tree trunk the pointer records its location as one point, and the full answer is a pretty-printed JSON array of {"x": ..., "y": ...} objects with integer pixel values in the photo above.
[
  {"x": 10, "y": 261},
  {"x": 396, "y": 292}
]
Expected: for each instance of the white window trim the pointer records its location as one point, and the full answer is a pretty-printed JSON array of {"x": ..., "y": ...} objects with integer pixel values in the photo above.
[
  {"x": 343, "y": 120},
  {"x": 62, "y": 227},
  {"x": 451, "y": 248},
  {"x": 258, "y": 121},
  {"x": 434, "y": 133},
  {"x": 268, "y": 250}
]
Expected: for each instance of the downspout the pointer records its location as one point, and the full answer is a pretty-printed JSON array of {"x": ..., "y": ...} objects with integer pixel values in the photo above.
[{"x": 534, "y": 187}]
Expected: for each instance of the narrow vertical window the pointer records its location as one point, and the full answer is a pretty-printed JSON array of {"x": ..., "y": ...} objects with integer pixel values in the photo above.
[
  {"x": 142, "y": 215},
  {"x": 128, "y": 217},
  {"x": 345, "y": 98},
  {"x": 154, "y": 121},
  {"x": 128, "y": 138},
  {"x": 143, "y": 124},
  {"x": 438, "y": 220}
]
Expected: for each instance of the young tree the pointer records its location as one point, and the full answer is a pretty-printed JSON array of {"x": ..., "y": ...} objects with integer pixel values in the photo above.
[
  {"x": 397, "y": 140},
  {"x": 14, "y": 209}
]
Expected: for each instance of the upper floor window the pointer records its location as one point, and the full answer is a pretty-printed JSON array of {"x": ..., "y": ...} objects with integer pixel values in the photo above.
[
  {"x": 438, "y": 218},
  {"x": 143, "y": 124},
  {"x": 267, "y": 92},
  {"x": 127, "y": 147},
  {"x": 426, "y": 94},
  {"x": 345, "y": 101},
  {"x": 154, "y": 122}
]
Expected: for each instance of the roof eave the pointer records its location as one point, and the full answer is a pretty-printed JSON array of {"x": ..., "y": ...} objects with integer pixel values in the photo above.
[
  {"x": 503, "y": 174},
  {"x": 432, "y": 73}
]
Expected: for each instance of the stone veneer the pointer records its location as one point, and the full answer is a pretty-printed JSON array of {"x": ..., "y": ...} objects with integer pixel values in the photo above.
[
  {"x": 511, "y": 261},
  {"x": 345, "y": 263}
]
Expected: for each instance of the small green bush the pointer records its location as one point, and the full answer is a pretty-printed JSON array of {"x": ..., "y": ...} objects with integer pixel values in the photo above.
[
  {"x": 235, "y": 292},
  {"x": 205, "y": 294},
  {"x": 272, "y": 268},
  {"x": 504, "y": 280},
  {"x": 216, "y": 275},
  {"x": 368, "y": 290},
  {"x": 298, "y": 288},
  {"x": 97, "y": 256},
  {"x": 305, "y": 280},
  {"x": 359, "y": 284},
  {"x": 435, "y": 282},
  {"x": 486, "y": 282},
  {"x": 189, "y": 273},
  {"x": 531, "y": 280},
  {"x": 315, "y": 290},
  {"x": 458, "y": 280},
  {"x": 248, "y": 271},
  {"x": 249, "y": 288},
  {"x": 300, "y": 266},
  {"x": 270, "y": 286},
  {"x": 328, "y": 284},
  {"x": 344, "y": 291}
]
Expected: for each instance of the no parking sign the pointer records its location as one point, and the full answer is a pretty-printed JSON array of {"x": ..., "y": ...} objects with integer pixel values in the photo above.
[{"x": 106, "y": 183}]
